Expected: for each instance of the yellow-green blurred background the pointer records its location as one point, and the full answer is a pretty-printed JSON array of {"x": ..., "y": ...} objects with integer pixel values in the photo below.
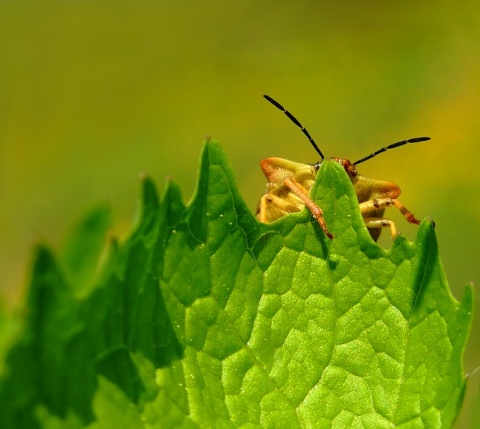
[{"x": 94, "y": 92}]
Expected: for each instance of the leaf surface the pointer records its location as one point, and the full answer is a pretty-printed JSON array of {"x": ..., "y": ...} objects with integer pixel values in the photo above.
[{"x": 204, "y": 317}]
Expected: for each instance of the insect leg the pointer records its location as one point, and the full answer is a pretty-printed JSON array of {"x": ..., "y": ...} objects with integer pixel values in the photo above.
[
  {"x": 379, "y": 203},
  {"x": 303, "y": 194},
  {"x": 407, "y": 213},
  {"x": 372, "y": 222},
  {"x": 262, "y": 210},
  {"x": 270, "y": 204}
]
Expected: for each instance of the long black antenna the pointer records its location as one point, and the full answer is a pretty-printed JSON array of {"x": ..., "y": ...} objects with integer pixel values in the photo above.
[
  {"x": 391, "y": 146},
  {"x": 296, "y": 122}
]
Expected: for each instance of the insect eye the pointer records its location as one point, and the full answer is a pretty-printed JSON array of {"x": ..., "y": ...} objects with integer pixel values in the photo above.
[{"x": 317, "y": 165}]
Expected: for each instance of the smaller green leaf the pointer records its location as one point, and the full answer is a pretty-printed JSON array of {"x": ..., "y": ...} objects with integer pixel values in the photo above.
[{"x": 81, "y": 253}]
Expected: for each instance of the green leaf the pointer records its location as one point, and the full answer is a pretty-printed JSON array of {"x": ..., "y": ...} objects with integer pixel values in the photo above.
[
  {"x": 81, "y": 253},
  {"x": 205, "y": 317}
]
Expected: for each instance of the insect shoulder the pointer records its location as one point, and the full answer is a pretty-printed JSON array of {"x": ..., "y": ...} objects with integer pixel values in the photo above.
[
  {"x": 368, "y": 189},
  {"x": 277, "y": 170}
]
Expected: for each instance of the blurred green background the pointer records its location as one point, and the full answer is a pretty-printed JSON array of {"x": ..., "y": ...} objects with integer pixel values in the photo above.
[{"x": 94, "y": 92}]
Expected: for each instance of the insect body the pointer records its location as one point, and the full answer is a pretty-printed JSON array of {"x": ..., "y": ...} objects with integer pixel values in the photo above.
[{"x": 289, "y": 184}]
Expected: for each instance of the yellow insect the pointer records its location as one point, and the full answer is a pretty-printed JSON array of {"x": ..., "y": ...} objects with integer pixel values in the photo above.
[{"x": 289, "y": 184}]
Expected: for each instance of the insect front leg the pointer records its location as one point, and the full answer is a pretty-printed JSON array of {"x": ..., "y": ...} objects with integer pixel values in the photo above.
[{"x": 303, "y": 194}]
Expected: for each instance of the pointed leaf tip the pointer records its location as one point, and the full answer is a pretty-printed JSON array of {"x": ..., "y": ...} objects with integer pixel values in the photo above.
[
  {"x": 334, "y": 193},
  {"x": 149, "y": 202},
  {"x": 44, "y": 261},
  {"x": 215, "y": 191},
  {"x": 83, "y": 248},
  {"x": 47, "y": 282},
  {"x": 149, "y": 193}
]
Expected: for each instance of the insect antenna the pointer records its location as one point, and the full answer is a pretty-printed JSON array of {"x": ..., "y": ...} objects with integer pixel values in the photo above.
[
  {"x": 391, "y": 146},
  {"x": 296, "y": 122}
]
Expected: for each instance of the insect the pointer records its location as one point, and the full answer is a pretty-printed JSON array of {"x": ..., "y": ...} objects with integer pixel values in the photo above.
[{"x": 289, "y": 184}]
